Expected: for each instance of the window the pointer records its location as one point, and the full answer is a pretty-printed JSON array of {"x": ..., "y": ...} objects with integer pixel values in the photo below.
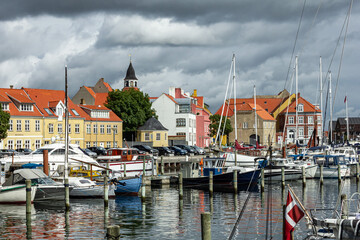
[
  {"x": 27, "y": 144},
  {"x": 88, "y": 144},
  {"x": 37, "y": 125},
  {"x": 301, "y": 120},
  {"x": 94, "y": 144},
  {"x": 147, "y": 136},
  {"x": 60, "y": 128},
  {"x": 165, "y": 136},
  {"x": 300, "y": 108},
  {"x": 18, "y": 144},
  {"x": 95, "y": 129},
  {"x": 180, "y": 122},
  {"x": 184, "y": 108},
  {"x": 75, "y": 112},
  {"x": 102, "y": 129},
  {"x": 51, "y": 128},
  {"x": 310, "y": 131},
  {"x": 10, "y": 125},
  {"x": 26, "y": 107},
  {"x": 301, "y": 132},
  {"x": 69, "y": 125},
  {"x": 108, "y": 129},
  {"x": 88, "y": 128},
  {"x": 108, "y": 144},
  {"x": 245, "y": 125},
  {"x": 180, "y": 134},
  {"x": 37, "y": 144},
  {"x": 5, "y": 106},
  {"x": 77, "y": 128},
  {"x": 48, "y": 111},
  {"x": 319, "y": 118},
  {"x": 291, "y": 134},
  {"x": 310, "y": 119},
  {"x": 190, "y": 137},
  {"x": 27, "y": 125},
  {"x": 115, "y": 129},
  {"x": 77, "y": 142},
  {"x": 18, "y": 125},
  {"x": 115, "y": 144},
  {"x": 10, "y": 144},
  {"x": 291, "y": 120},
  {"x": 190, "y": 122},
  {"x": 158, "y": 137}
]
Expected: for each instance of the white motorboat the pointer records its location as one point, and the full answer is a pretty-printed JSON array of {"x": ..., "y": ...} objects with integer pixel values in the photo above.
[
  {"x": 330, "y": 164},
  {"x": 56, "y": 157},
  {"x": 15, "y": 194},
  {"x": 85, "y": 188}
]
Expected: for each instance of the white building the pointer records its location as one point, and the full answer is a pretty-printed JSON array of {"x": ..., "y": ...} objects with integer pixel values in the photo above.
[{"x": 177, "y": 115}]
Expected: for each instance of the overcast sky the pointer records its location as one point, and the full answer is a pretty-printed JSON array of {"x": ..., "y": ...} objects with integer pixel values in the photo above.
[{"x": 187, "y": 44}]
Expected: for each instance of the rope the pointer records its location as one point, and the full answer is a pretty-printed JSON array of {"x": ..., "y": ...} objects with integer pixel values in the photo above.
[{"x": 239, "y": 218}]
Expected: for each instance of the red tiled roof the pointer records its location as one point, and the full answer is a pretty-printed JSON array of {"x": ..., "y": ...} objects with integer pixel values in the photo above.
[
  {"x": 20, "y": 94},
  {"x": 266, "y": 103},
  {"x": 262, "y": 113},
  {"x": 169, "y": 96},
  {"x": 308, "y": 107},
  {"x": 44, "y": 98},
  {"x": 107, "y": 86},
  {"x": 90, "y": 91},
  {"x": 227, "y": 110},
  {"x": 87, "y": 108},
  {"x": 101, "y": 98}
]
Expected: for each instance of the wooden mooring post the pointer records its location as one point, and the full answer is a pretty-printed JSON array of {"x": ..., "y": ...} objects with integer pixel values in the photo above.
[
  {"x": 106, "y": 192},
  {"x": 344, "y": 207},
  {"x": 124, "y": 169},
  {"x": 303, "y": 176},
  {"x": 235, "y": 181},
  {"x": 283, "y": 178},
  {"x": 206, "y": 226},
  {"x": 181, "y": 193},
  {"x": 321, "y": 175},
  {"x": 211, "y": 187},
  {"x": 162, "y": 166},
  {"x": 113, "y": 232},
  {"x": 339, "y": 174},
  {"x": 357, "y": 172},
  {"x": 262, "y": 180},
  {"x": 67, "y": 194},
  {"x": 28, "y": 196}
]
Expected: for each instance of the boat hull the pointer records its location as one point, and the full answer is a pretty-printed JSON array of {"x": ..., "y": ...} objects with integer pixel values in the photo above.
[
  {"x": 332, "y": 172},
  {"x": 275, "y": 174},
  {"x": 16, "y": 194},
  {"x": 128, "y": 186}
]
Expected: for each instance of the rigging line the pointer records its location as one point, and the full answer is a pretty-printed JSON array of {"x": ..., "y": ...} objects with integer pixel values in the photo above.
[
  {"x": 222, "y": 111},
  {"x": 337, "y": 44},
  {"x": 287, "y": 109},
  {"x": 296, "y": 38},
  {"x": 239, "y": 218},
  {"x": 342, "y": 51},
  {"x": 227, "y": 111}
]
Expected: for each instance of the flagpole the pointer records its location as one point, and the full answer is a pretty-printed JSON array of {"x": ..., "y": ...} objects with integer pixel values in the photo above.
[{"x": 297, "y": 199}]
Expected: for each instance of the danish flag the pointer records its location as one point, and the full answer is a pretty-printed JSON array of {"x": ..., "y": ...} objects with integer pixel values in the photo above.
[{"x": 293, "y": 214}]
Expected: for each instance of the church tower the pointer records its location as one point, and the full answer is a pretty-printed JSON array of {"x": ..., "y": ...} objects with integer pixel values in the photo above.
[{"x": 130, "y": 80}]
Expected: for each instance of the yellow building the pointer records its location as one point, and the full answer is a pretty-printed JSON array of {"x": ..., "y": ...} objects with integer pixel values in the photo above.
[
  {"x": 153, "y": 132},
  {"x": 37, "y": 118}
]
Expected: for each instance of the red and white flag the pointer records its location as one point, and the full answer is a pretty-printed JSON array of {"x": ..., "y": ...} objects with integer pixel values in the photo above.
[
  {"x": 293, "y": 214},
  {"x": 345, "y": 99}
]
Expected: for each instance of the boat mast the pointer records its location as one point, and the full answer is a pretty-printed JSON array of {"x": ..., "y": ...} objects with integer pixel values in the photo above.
[
  {"x": 256, "y": 135},
  {"x": 234, "y": 82},
  {"x": 66, "y": 174},
  {"x": 296, "y": 97},
  {"x": 331, "y": 110},
  {"x": 321, "y": 101},
  {"x": 347, "y": 119}
]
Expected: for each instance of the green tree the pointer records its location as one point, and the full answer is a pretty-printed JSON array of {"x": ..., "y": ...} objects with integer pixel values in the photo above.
[
  {"x": 132, "y": 106},
  {"x": 214, "y": 126},
  {"x": 4, "y": 123}
]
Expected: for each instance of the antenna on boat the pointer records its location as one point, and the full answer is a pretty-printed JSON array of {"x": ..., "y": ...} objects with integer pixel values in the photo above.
[{"x": 66, "y": 174}]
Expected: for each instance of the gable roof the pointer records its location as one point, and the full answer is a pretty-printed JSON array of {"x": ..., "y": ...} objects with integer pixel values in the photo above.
[
  {"x": 101, "y": 98},
  {"x": 153, "y": 124},
  {"x": 262, "y": 113},
  {"x": 308, "y": 107},
  {"x": 21, "y": 97}
]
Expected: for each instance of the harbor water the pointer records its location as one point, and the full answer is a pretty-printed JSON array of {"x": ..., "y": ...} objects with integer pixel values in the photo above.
[{"x": 162, "y": 216}]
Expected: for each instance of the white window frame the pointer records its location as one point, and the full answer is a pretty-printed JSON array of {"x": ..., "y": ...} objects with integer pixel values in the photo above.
[
  {"x": 88, "y": 128},
  {"x": 18, "y": 143},
  {"x": 37, "y": 125},
  {"x": 60, "y": 128},
  {"x": 27, "y": 125},
  {"x": 77, "y": 128},
  {"x": 102, "y": 129},
  {"x": 301, "y": 132},
  {"x": 158, "y": 136},
  {"x": 301, "y": 120},
  {"x": 310, "y": 119},
  {"x": 11, "y": 128},
  {"x": 27, "y": 144},
  {"x": 108, "y": 129},
  {"x": 147, "y": 136},
  {"x": 291, "y": 120},
  {"x": 300, "y": 108},
  {"x": 51, "y": 128},
  {"x": 10, "y": 144},
  {"x": 37, "y": 144},
  {"x": 18, "y": 125},
  {"x": 95, "y": 128}
]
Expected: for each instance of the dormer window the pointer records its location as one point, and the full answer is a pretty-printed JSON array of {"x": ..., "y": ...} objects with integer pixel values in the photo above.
[
  {"x": 300, "y": 108},
  {"x": 75, "y": 112},
  {"x": 5, "y": 106},
  {"x": 100, "y": 114},
  {"x": 28, "y": 107},
  {"x": 48, "y": 111}
]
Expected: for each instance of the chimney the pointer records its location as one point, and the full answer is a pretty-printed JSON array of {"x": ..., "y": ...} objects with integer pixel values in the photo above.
[
  {"x": 195, "y": 93},
  {"x": 82, "y": 101},
  {"x": 11, "y": 86}
]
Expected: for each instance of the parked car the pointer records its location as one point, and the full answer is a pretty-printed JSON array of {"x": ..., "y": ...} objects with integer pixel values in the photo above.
[
  {"x": 199, "y": 150},
  {"x": 147, "y": 149},
  {"x": 24, "y": 151},
  {"x": 98, "y": 150},
  {"x": 89, "y": 152},
  {"x": 187, "y": 148},
  {"x": 7, "y": 152},
  {"x": 178, "y": 151},
  {"x": 165, "y": 151}
]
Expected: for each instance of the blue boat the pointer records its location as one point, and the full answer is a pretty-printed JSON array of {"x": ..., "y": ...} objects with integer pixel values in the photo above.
[{"x": 128, "y": 185}]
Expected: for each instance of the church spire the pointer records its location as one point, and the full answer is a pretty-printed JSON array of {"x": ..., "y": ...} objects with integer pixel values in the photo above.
[{"x": 130, "y": 80}]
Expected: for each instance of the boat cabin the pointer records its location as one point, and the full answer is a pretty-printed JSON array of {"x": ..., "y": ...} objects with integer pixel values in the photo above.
[
  {"x": 215, "y": 165},
  {"x": 127, "y": 154},
  {"x": 2, "y": 172},
  {"x": 189, "y": 169},
  {"x": 329, "y": 160}
]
